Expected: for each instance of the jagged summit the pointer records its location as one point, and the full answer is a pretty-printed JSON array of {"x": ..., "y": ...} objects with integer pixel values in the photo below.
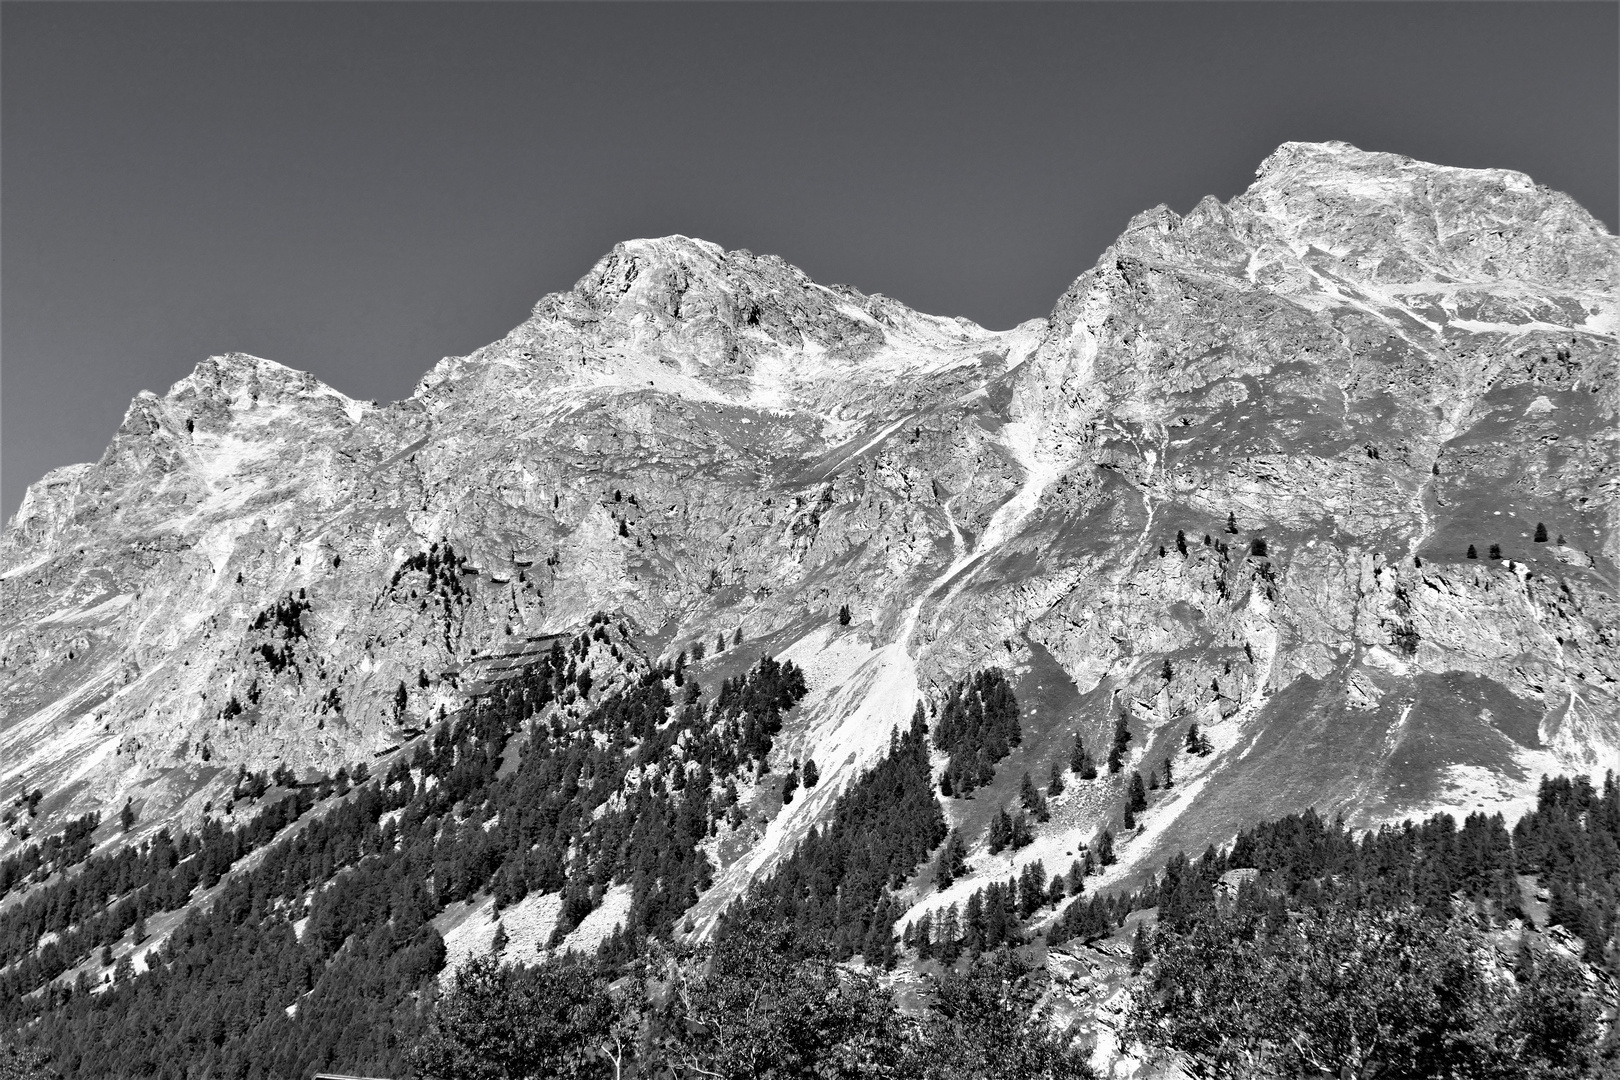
[{"x": 680, "y": 316}]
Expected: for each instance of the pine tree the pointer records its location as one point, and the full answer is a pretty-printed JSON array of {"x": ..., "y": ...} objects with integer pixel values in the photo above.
[
  {"x": 973, "y": 923},
  {"x": 1000, "y": 835},
  {"x": 1027, "y": 794},
  {"x": 1054, "y": 786},
  {"x": 1472, "y": 554},
  {"x": 1080, "y": 760},
  {"x": 1140, "y": 953},
  {"x": 1181, "y": 541},
  {"x": 843, "y": 615},
  {"x": 812, "y": 775},
  {"x": 1021, "y": 834},
  {"x": 126, "y": 816},
  {"x": 1136, "y": 797},
  {"x": 1496, "y": 551},
  {"x": 1122, "y": 738},
  {"x": 948, "y": 938},
  {"x": 878, "y": 947},
  {"x": 952, "y": 861},
  {"x": 1105, "y": 848},
  {"x": 1541, "y": 533},
  {"x": 1169, "y": 780},
  {"x": 736, "y": 639},
  {"x": 497, "y": 944},
  {"x": 1231, "y": 522}
]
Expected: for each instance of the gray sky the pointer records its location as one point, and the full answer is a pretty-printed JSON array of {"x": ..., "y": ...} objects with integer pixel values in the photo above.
[{"x": 359, "y": 189}]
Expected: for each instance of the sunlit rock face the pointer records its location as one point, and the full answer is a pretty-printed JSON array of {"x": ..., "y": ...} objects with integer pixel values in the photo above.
[{"x": 1233, "y": 478}]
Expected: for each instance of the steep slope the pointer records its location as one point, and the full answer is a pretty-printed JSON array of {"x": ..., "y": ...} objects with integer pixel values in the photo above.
[{"x": 1363, "y": 365}]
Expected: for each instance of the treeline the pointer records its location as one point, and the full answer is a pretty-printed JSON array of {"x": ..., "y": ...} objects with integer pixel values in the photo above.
[
  {"x": 623, "y": 796},
  {"x": 55, "y": 853}
]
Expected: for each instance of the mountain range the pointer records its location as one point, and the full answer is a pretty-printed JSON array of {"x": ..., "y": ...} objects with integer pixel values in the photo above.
[{"x": 1315, "y": 493}]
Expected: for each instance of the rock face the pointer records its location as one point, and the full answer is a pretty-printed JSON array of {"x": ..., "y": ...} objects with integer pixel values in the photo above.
[{"x": 1233, "y": 479}]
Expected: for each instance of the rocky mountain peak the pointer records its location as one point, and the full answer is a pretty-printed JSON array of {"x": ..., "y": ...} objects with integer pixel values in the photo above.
[
  {"x": 1391, "y": 219},
  {"x": 244, "y": 381},
  {"x": 1313, "y": 492}
]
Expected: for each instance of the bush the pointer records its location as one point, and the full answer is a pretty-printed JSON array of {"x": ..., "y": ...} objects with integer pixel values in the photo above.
[
  {"x": 500, "y": 1022},
  {"x": 1245, "y": 990}
]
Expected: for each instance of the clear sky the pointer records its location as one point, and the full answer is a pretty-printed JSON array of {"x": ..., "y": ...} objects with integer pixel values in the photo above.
[{"x": 358, "y": 189}]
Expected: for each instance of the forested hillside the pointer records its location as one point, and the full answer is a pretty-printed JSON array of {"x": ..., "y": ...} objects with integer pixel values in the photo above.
[{"x": 308, "y": 940}]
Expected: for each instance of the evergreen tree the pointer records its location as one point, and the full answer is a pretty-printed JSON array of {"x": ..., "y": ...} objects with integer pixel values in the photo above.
[
  {"x": 1080, "y": 761},
  {"x": 812, "y": 775},
  {"x": 1020, "y": 834},
  {"x": 1122, "y": 739},
  {"x": 1105, "y": 848},
  {"x": 1028, "y": 794},
  {"x": 1140, "y": 952},
  {"x": 948, "y": 938},
  {"x": 952, "y": 861},
  {"x": 843, "y": 615},
  {"x": 1541, "y": 533},
  {"x": 1001, "y": 831},
  {"x": 1054, "y": 784},
  {"x": 1231, "y": 522},
  {"x": 1472, "y": 554},
  {"x": 1496, "y": 551},
  {"x": 1181, "y": 541},
  {"x": 1136, "y": 795},
  {"x": 497, "y": 944}
]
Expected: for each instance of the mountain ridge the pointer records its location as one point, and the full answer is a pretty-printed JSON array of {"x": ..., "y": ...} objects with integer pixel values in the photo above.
[{"x": 1360, "y": 363}]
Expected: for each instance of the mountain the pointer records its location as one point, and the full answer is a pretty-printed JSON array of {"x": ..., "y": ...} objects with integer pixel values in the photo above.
[{"x": 1328, "y": 470}]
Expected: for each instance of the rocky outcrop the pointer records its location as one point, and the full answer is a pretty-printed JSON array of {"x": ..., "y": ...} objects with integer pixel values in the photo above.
[{"x": 1234, "y": 478}]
